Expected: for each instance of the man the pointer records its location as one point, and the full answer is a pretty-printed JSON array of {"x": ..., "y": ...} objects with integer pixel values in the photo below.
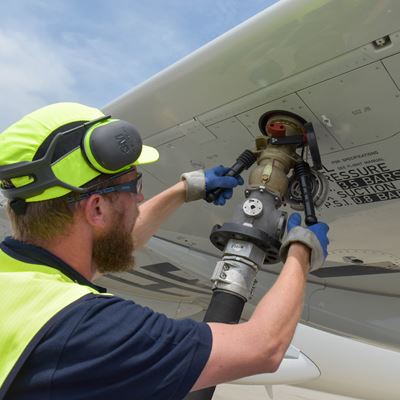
[{"x": 73, "y": 188}]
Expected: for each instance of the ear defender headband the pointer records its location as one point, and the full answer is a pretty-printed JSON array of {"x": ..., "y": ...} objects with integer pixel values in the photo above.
[{"x": 108, "y": 146}]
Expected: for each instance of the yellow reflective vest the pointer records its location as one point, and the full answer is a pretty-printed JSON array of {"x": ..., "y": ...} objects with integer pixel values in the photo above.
[{"x": 31, "y": 295}]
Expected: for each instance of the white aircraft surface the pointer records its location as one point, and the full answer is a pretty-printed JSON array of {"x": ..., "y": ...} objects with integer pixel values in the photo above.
[{"x": 335, "y": 63}]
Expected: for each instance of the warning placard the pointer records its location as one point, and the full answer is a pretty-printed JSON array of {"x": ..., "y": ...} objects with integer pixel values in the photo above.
[{"x": 361, "y": 178}]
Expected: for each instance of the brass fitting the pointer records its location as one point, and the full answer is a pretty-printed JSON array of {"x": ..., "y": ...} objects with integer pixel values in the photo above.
[{"x": 275, "y": 161}]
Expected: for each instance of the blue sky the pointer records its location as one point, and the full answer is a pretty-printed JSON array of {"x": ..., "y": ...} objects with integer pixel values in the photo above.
[{"x": 92, "y": 51}]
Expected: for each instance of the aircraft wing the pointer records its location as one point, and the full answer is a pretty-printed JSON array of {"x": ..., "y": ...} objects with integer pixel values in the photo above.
[{"x": 336, "y": 64}]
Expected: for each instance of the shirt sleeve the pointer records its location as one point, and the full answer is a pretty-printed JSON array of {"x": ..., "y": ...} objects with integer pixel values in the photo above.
[{"x": 122, "y": 350}]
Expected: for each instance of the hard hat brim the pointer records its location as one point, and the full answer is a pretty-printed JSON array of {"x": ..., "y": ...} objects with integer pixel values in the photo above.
[{"x": 147, "y": 156}]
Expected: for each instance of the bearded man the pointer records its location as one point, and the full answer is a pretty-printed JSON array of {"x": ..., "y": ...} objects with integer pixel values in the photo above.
[{"x": 70, "y": 174}]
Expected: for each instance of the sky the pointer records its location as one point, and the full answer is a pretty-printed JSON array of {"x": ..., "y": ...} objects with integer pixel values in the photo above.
[{"x": 93, "y": 51}]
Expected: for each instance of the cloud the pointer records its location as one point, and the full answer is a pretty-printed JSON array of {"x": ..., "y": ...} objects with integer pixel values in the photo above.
[
  {"x": 93, "y": 52},
  {"x": 31, "y": 73},
  {"x": 91, "y": 60}
]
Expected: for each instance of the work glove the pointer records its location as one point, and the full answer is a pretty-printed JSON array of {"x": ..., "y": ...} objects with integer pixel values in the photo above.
[
  {"x": 314, "y": 236},
  {"x": 199, "y": 183}
]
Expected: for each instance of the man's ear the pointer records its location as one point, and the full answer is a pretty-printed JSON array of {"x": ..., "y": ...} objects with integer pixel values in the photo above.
[{"x": 96, "y": 210}]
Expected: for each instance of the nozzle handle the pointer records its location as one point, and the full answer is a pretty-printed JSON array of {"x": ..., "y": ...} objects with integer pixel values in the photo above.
[
  {"x": 244, "y": 161},
  {"x": 302, "y": 171}
]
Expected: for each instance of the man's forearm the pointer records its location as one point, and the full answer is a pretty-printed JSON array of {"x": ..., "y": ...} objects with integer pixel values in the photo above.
[
  {"x": 155, "y": 211},
  {"x": 281, "y": 307},
  {"x": 259, "y": 345}
]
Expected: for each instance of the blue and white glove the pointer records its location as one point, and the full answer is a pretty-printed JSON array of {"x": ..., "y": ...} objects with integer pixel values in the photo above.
[
  {"x": 215, "y": 179},
  {"x": 315, "y": 237},
  {"x": 200, "y": 182}
]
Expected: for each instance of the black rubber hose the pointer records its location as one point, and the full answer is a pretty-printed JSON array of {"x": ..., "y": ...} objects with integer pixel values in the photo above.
[
  {"x": 224, "y": 307},
  {"x": 227, "y": 308},
  {"x": 203, "y": 394}
]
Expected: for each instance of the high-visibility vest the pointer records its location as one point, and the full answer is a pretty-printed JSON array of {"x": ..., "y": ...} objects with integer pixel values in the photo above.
[{"x": 30, "y": 296}]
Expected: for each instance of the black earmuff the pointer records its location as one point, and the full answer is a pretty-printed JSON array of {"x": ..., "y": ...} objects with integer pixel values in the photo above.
[{"x": 113, "y": 146}]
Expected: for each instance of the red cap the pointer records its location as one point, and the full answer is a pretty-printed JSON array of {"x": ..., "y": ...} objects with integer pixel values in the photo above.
[{"x": 276, "y": 128}]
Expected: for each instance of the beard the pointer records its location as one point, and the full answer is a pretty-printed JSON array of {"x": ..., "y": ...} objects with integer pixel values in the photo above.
[{"x": 113, "y": 250}]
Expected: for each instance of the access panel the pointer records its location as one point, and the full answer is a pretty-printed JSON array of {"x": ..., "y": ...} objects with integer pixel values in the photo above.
[{"x": 359, "y": 107}]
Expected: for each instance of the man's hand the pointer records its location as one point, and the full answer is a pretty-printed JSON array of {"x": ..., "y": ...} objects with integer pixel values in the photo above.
[
  {"x": 215, "y": 179},
  {"x": 199, "y": 183},
  {"x": 315, "y": 237}
]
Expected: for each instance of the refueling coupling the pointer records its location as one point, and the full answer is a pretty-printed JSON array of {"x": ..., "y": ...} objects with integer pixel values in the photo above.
[
  {"x": 285, "y": 133},
  {"x": 253, "y": 236},
  {"x": 275, "y": 161}
]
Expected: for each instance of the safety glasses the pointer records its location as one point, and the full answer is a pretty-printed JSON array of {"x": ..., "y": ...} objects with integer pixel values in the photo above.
[{"x": 132, "y": 186}]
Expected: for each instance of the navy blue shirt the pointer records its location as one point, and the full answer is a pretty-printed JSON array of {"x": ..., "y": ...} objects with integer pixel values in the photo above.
[{"x": 103, "y": 347}]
